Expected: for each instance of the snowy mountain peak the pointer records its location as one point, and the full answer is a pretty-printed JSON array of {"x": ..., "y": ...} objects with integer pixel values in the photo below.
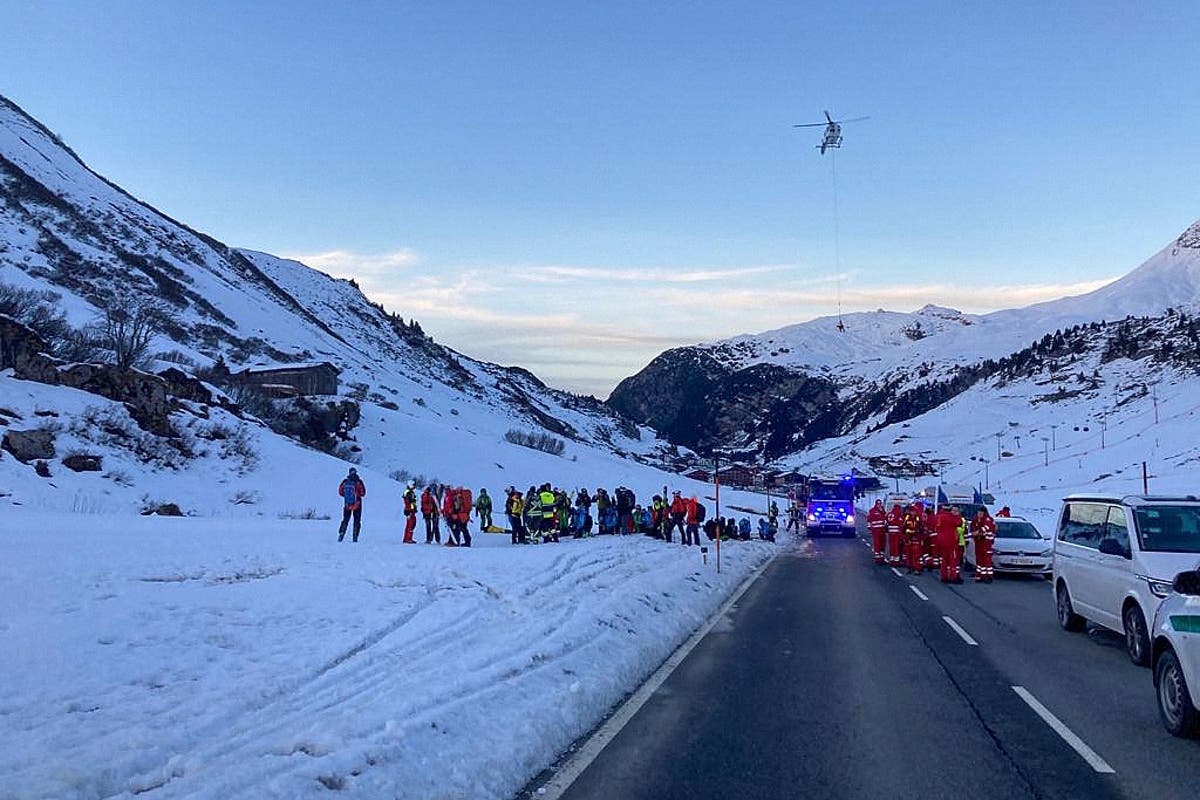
[{"x": 1191, "y": 237}]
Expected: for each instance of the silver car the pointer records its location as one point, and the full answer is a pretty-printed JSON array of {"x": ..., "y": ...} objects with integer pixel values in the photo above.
[{"x": 1019, "y": 548}]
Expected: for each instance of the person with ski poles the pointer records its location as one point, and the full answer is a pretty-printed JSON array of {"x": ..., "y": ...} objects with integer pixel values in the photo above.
[{"x": 429, "y": 511}]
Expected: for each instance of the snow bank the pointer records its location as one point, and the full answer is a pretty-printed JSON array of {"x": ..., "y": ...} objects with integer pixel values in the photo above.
[{"x": 239, "y": 657}]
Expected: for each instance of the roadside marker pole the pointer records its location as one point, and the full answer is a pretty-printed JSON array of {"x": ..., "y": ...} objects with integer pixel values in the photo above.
[{"x": 717, "y": 484}]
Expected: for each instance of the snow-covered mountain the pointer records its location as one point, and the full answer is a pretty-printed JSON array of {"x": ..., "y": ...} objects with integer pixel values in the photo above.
[
  {"x": 775, "y": 393},
  {"x": 79, "y": 243}
]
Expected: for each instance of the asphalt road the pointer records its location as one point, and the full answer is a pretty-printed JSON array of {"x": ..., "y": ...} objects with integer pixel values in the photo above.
[{"x": 833, "y": 678}]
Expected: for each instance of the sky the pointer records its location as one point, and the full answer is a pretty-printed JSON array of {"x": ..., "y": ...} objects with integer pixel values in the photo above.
[{"x": 574, "y": 187}]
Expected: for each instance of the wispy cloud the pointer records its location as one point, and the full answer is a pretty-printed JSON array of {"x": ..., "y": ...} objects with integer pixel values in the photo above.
[
  {"x": 586, "y": 327},
  {"x": 900, "y": 297},
  {"x": 348, "y": 264},
  {"x": 563, "y": 274}
]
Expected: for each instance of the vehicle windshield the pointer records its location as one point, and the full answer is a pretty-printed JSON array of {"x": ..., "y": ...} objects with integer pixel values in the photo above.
[
  {"x": 1017, "y": 530},
  {"x": 1169, "y": 529},
  {"x": 827, "y": 493}
]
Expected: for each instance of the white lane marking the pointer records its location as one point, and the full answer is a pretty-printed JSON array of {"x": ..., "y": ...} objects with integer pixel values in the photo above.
[
  {"x": 918, "y": 592},
  {"x": 570, "y": 771},
  {"x": 1089, "y": 755},
  {"x": 898, "y": 575},
  {"x": 966, "y": 637}
]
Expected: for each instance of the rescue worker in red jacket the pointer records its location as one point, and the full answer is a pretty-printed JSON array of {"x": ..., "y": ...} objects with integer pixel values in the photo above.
[
  {"x": 410, "y": 513},
  {"x": 932, "y": 558},
  {"x": 691, "y": 530},
  {"x": 983, "y": 531},
  {"x": 895, "y": 529},
  {"x": 678, "y": 512},
  {"x": 1004, "y": 512},
  {"x": 948, "y": 521},
  {"x": 352, "y": 490},
  {"x": 877, "y": 525},
  {"x": 456, "y": 509},
  {"x": 913, "y": 533},
  {"x": 429, "y": 511}
]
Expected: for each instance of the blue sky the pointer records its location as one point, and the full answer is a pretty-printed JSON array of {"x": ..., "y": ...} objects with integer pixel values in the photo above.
[{"x": 575, "y": 186}]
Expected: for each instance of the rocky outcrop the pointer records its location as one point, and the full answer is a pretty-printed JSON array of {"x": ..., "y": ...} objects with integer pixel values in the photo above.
[
  {"x": 698, "y": 402},
  {"x": 24, "y": 352},
  {"x": 27, "y": 446},
  {"x": 143, "y": 394},
  {"x": 81, "y": 462}
]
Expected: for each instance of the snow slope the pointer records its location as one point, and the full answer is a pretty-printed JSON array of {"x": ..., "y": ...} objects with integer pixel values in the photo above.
[
  {"x": 247, "y": 658},
  {"x": 425, "y": 409},
  {"x": 876, "y": 343}
]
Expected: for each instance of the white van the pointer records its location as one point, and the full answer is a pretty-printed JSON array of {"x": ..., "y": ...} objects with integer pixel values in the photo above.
[{"x": 1115, "y": 559}]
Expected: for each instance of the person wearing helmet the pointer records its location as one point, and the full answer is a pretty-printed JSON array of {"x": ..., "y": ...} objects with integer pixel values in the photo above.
[
  {"x": 410, "y": 513},
  {"x": 352, "y": 491}
]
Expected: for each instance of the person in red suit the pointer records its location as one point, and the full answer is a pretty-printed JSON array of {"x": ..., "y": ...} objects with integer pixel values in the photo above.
[
  {"x": 877, "y": 525},
  {"x": 912, "y": 538},
  {"x": 948, "y": 521},
  {"x": 983, "y": 531},
  {"x": 895, "y": 530},
  {"x": 410, "y": 513},
  {"x": 932, "y": 558}
]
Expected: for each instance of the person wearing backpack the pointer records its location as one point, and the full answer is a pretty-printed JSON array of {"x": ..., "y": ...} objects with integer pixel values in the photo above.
[
  {"x": 352, "y": 491},
  {"x": 410, "y": 513},
  {"x": 429, "y": 511},
  {"x": 514, "y": 507}
]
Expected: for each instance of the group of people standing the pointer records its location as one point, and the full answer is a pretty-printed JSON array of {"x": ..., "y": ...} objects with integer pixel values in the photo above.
[
  {"x": 546, "y": 514},
  {"x": 920, "y": 538}
]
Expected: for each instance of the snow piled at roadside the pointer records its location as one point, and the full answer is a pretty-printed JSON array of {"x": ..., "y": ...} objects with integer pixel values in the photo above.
[{"x": 216, "y": 658}]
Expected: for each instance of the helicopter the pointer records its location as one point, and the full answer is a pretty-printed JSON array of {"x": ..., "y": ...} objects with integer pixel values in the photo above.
[{"x": 833, "y": 131}]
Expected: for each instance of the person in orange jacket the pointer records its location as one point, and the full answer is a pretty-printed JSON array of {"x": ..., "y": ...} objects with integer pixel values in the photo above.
[
  {"x": 691, "y": 530},
  {"x": 456, "y": 508},
  {"x": 983, "y": 531},
  {"x": 895, "y": 531},
  {"x": 678, "y": 513},
  {"x": 352, "y": 490},
  {"x": 948, "y": 522},
  {"x": 877, "y": 525},
  {"x": 913, "y": 533},
  {"x": 429, "y": 511}
]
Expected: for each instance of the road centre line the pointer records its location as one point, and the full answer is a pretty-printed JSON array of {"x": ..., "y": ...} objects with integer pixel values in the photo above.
[
  {"x": 966, "y": 637},
  {"x": 898, "y": 575},
  {"x": 918, "y": 592},
  {"x": 1089, "y": 755},
  {"x": 575, "y": 765}
]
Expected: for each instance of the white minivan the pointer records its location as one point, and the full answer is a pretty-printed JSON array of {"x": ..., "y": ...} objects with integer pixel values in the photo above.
[{"x": 1116, "y": 557}]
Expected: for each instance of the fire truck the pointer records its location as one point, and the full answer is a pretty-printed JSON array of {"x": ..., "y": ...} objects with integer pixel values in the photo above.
[{"x": 830, "y": 506}]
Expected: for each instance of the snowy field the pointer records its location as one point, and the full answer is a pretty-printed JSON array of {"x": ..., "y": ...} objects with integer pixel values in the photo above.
[{"x": 260, "y": 658}]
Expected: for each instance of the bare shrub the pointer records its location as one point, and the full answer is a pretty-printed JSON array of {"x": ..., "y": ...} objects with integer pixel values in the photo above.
[
  {"x": 306, "y": 513},
  {"x": 127, "y": 327},
  {"x": 536, "y": 441}
]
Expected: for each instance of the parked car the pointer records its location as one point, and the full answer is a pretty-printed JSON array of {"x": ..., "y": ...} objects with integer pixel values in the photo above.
[
  {"x": 1176, "y": 655},
  {"x": 1115, "y": 559},
  {"x": 1020, "y": 548}
]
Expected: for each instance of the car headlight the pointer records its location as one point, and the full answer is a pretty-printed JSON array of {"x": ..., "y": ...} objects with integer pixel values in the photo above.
[
  {"x": 850, "y": 519},
  {"x": 1159, "y": 588}
]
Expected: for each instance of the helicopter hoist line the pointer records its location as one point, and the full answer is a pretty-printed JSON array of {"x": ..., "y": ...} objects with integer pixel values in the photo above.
[{"x": 831, "y": 141}]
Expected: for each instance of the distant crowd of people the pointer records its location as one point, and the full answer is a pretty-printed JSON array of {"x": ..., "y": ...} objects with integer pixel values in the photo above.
[{"x": 548, "y": 514}]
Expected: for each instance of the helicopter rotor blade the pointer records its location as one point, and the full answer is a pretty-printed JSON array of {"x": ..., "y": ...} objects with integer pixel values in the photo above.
[
  {"x": 853, "y": 119},
  {"x": 811, "y": 125},
  {"x": 828, "y": 117}
]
